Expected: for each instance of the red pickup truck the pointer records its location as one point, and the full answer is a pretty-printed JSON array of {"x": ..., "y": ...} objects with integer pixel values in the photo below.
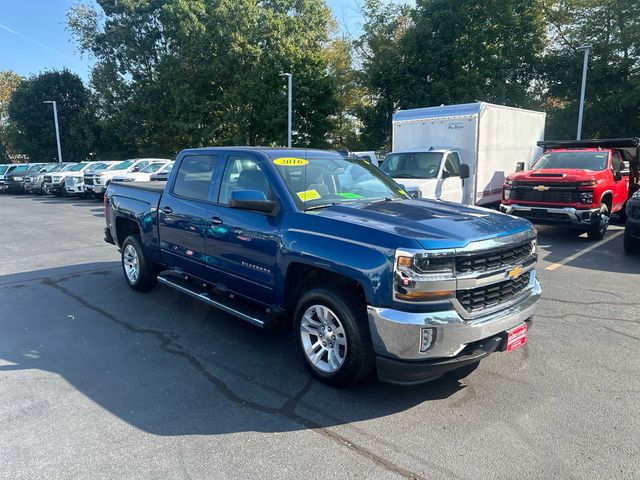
[{"x": 577, "y": 183}]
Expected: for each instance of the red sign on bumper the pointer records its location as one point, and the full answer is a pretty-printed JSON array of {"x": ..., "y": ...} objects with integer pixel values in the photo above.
[{"x": 516, "y": 337}]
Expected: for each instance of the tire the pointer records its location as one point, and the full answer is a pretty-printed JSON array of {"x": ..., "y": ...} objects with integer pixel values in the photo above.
[
  {"x": 631, "y": 245},
  {"x": 599, "y": 228},
  {"x": 331, "y": 325},
  {"x": 139, "y": 273}
]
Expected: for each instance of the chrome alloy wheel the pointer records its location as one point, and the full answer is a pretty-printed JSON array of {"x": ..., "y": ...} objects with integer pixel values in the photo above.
[
  {"x": 131, "y": 264},
  {"x": 323, "y": 338}
]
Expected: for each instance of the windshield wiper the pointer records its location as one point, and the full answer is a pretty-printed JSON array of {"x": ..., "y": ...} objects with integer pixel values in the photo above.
[
  {"x": 322, "y": 205},
  {"x": 406, "y": 175}
]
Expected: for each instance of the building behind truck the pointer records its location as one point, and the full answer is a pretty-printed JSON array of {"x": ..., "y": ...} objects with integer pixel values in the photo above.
[{"x": 462, "y": 153}]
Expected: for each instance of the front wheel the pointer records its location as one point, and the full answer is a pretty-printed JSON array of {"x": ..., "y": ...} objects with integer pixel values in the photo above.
[
  {"x": 333, "y": 335},
  {"x": 138, "y": 270},
  {"x": 599, "y": 228}
]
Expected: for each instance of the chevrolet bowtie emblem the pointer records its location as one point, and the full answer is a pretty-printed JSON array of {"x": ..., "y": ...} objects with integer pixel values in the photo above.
[
  {"x": 541, "y": 188},
  {"x": 514, "y": 272}
]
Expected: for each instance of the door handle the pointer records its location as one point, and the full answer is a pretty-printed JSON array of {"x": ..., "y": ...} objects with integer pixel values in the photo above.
[
  {"x": 167, "y": 209},
  {"x": 216, "y": 220}
]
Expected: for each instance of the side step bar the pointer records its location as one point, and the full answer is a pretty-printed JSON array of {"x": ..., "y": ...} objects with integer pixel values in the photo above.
[{"x": 249, "y": 313}]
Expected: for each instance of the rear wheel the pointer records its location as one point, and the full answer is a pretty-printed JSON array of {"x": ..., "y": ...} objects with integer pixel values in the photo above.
[
  {"x": 631, "y": 244},
  {"x": 333, "y": 335},
  {"x": 138, "y": 271},
  {"x": 599, "y": 228}
]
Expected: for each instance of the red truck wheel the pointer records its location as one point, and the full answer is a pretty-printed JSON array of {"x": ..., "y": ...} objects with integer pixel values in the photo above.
[{"x": 597, "y": 231}]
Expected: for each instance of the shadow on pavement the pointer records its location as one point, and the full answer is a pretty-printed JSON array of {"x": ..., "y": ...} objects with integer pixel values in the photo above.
[{"x": 170, "y": 365}]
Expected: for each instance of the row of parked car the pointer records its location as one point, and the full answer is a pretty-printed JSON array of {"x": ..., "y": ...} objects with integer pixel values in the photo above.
[{"x": 83, "y": 179}]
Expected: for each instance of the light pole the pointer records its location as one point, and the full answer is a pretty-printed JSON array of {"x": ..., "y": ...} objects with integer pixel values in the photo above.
[
  {"x": 55, "y": 118},
  {"x": 585, "y": 49},
  {"x": 289, "y": 87}
]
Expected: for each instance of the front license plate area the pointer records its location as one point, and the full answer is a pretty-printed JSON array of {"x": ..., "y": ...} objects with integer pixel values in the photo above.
[{"x": 516, "y": 337}]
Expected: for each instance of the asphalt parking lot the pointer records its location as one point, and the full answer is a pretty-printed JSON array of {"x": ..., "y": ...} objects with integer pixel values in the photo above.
[{"x": 98, "y": 381}]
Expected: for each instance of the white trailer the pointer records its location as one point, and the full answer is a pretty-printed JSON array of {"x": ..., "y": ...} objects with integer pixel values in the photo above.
[{"x": 431, "y": 147}]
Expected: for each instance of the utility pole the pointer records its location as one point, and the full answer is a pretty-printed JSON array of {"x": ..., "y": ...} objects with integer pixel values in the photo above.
[
  {"x": 55, "y": 119},
  {"x": 289, "y": 88},
  {"x": 585, "y": 49}
]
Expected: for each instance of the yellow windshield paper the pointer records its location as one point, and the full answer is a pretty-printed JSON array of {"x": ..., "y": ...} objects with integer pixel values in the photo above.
[
  {"x": 308, "y": 195},
  {"x": 290, "y": 161}
]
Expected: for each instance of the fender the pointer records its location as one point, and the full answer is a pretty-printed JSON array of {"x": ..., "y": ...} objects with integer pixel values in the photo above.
[
  {"x": 142, "y": 214},
  {"x": 605, "y": 193},
  {"x": 371, "y": 266}
]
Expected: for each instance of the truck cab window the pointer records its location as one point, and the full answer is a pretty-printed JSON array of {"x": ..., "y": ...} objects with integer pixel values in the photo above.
[
  {"x": 616, "y": 162},
  {"x": 193, "y": 178},
  {"x": 243, "y": 173},
  {"x": 452, "y": 165}
]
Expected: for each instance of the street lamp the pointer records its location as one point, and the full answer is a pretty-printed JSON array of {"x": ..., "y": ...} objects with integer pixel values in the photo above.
[
  {"x": 289, "y": 87},
  {"x": 585, "y": 49},
  {"x": 55, "y": 119}
]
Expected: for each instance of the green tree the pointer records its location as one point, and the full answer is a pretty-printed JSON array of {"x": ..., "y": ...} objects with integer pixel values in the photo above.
[
  {"x": 444, "y": 52},
  {"x": 9, "y": 81},
  {"x": 612, "y": 104},
  {"x": 32, "y": 129},
  {"x": 177, "y": 73}
]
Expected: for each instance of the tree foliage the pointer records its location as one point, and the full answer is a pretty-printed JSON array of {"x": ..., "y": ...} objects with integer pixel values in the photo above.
[
  {"x": 177, "y": 73},
  {"x": 9, "y": 81},
  {"x": 32, "y": 129}
]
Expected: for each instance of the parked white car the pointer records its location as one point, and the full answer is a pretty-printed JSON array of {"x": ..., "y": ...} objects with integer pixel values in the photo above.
[
  {"x": 74, "y": 181},
  {"x": 96, "y": 183},
  {"x": 143, "y": 175},
  {"x": 54, "y": 183}
]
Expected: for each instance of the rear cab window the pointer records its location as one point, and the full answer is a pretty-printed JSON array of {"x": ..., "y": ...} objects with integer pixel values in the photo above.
[{"x": 193, "y": 180}]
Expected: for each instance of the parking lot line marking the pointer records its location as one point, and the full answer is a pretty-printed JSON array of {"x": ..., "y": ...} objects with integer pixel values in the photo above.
[{"x": 570, "y": 258}]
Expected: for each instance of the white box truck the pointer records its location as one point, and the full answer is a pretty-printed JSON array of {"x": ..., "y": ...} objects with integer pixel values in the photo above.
[{"x": 462, "y": 153}]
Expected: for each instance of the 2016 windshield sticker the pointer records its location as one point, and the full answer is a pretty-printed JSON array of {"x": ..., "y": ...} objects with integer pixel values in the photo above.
[
  {"x": 290, "y": 162},
  {"x": 308, "y": 195},
  {"x": 349, "y": 195}
]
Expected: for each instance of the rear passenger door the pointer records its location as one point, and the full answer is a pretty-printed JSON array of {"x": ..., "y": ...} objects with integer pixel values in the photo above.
[
  {"x": 183, "y": 213},
  {"x": 242, "y": 245}
]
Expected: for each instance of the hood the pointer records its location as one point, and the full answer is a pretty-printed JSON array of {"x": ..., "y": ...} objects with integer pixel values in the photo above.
[
  {"x": 432, "y": 223},
  {"x": 554, "y": 175}
]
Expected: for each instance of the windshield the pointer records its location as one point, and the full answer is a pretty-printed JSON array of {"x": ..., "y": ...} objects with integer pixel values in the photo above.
[
  {"x": 97, "y": 166},
  {"x": 567, "y": 160},
  {"x": 21, "y": 168},
  {"x": 154, "y": 167},
  {"x": 56, "y": 168},
  {"x": 322, "y": 182},
  {"x": 124, "y": 165},
  {"x": 412, "y": 164},
  {"x": 166, "y": 167},
  {"x": 3, "y": 168},
  {"x": 51, "y": 167},
  {"x": 77, "y": 167}
]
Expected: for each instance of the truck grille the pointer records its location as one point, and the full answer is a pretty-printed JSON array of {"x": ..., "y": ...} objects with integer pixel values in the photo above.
[
  {"x": 28, "y": 179},
  {"x": 88, "y": 180},
  {"x": 47, "y": 179},
  {"x": 478, "y": 299},
  {"x": 556, "y": 193},
  {"x": 495, "y": 259}
]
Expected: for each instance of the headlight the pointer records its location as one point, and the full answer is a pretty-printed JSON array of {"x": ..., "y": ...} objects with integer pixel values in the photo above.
[
  {"x": 506, "y": 193},
  {"x": 423, "y": 276},
  {"x": 508, "y": 182},
  {"x": 56, "y": 179},
  {"x": 18, "y": 179},
  {"x": 586, "y": 197},
  {"x": 636, "y": 195}
]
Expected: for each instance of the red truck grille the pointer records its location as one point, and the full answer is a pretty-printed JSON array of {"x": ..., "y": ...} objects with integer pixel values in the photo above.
[{"x": 547, "y": 193}]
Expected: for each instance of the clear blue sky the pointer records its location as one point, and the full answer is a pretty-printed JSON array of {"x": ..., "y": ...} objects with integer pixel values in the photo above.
[{"x": 33, "y": 37}]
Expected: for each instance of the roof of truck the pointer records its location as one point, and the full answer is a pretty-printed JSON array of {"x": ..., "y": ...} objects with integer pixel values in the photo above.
[
  {"x": 272, "y": 152},
  {"x": 460, "y": 110}
]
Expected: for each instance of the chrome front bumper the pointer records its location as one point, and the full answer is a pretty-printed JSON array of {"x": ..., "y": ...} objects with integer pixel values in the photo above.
[
  {"x": 398, "y": 334},
  {"x": 567, "y": 215}
]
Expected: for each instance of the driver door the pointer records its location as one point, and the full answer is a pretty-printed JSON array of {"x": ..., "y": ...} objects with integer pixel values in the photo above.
[
  {"x": 621, "y": 188},
  {"x": 449, "y": 187}
]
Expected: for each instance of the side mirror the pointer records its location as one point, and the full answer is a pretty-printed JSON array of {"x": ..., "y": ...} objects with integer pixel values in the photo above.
[
  {"x": 136, "y": 169},
  {"x": 617, "y": 176},
  {"x": 465, "y": 172},
  {"x": 520, "y": 167},
  {"x": 252, "y": 200}
]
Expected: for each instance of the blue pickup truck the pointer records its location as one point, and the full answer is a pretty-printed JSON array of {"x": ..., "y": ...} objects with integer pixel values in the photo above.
[{"x": 371, "y": 279}]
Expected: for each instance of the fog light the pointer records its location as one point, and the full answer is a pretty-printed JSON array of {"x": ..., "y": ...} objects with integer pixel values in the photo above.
[
  {"x": 427, "y": 338},
  {"x": 586, "y": 197}
]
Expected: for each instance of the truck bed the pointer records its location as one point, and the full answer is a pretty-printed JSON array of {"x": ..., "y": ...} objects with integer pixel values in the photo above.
[{"x": 149, "y": 186}]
